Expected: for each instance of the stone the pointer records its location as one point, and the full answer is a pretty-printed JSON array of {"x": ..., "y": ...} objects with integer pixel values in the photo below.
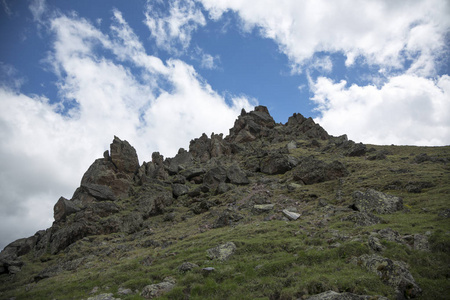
[
  {"x": 291, "y": 145},
  {"x": 124, "y": 156},
  {"x": 227, "y": 218},
  {"x": 375, "y": 201},
  {"x": 221, "y": 252},
  {"x": 291, "y": 215},
  {"x": 99, "y": 192},
  {"x": 275, "y": 163},
  {"x": 236, "y": 176},
  {"x": 214, "y": 176},
  {"x": 180, "y": 162},
  {"x": 307, "y": 127},
  {"x": 357, "y": 150},
  {"x": 64, "y": 208},
  {"x": 158, "y": 289},
  {"x": 106, "y": 296},
  {"x": 332, "y": 295},
  {"x": 311, "y": 170},
  {"x": 393, "y": 273},
  {"x": 445, "y": 213},
  {"x": 124, "y": 291},
  {"x": 251, "y": 126},
  {"x": 262, "y": 208},
  {"x": 179, "y": 190},
  {"x": 186, "y": 267}
]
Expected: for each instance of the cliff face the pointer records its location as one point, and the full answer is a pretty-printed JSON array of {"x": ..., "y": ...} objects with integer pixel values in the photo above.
[{"x": 323, "y": 194}]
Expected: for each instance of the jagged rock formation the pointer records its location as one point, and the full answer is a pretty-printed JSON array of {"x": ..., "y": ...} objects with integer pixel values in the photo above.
[{"x": 262, "y": 171}]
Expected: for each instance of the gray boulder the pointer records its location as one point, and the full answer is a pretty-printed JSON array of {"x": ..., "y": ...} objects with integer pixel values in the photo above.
[
  {"x": 363, "y": 219},
  {"x": 221, "y": 252},
  {"x": 99, "y": 192},
  {"x": 157, "y": 290},
  {"x": 374, "y": 201},
  {"x": 332, "y": 295},
  {"x": 214, "y": 177},
  {"x": 236, "y": 176},
  {"x": 276, "y": 163},
  {"x": 180, "y": 162},
  {"x": 311, "y": 170},
  {"x": 186, "y": 267},
  {"x": 179, "y": 190},
  {"x": 393, "y": 273},
  {"x": 64, "y": 208}
]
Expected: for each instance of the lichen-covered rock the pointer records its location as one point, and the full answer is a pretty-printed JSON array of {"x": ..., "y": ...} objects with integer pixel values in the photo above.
[
  {"x": 375, "y": 201},
  {"x": 187, "y": 266},
  {"x": 179, "y": 190},
  {"x": 393, "y": 273},
  {"x": 276, "y": 163},
  {"x": 221, "y": 252},
  {"x": 214, "y": 177},
  {"x": 156, "y": 290},
  {"x": 332, "y": 295}
]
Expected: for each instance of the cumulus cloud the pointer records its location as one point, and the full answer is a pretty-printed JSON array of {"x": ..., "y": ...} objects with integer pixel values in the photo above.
[
  {"x": 47, "y": 144},
  {"x": 172, "y": 27},
  {"x": 407, "y": 109},
  {"x": 392, "y": 34}
]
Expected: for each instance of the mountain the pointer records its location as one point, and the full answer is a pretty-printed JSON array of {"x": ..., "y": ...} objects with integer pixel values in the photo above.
[{"x": 271, "y": 211}]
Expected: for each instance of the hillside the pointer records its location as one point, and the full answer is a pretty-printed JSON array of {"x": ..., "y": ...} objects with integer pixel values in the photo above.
[{"x": 271, "y": 211}]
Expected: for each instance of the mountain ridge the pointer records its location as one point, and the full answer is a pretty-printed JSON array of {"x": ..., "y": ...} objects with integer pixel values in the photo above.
[{"x": 260, "y": 172}]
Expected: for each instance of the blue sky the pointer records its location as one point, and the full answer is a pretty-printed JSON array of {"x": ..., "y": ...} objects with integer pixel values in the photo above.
[{"x": 159, "y": 73}]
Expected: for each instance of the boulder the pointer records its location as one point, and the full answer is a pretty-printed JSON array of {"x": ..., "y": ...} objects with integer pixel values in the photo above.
[
  {"x": 276, "y": 163},
  {"x": 251, "y": 126},
  {"x": 214, "y": 176},
  {"x": 307, "y": 127},
  {"x": 357, "y": 150},
  {"x": 262, "y": 208},
  {"x": 221, "y": 252},
  {"x": 291, "y": 215},
  {"x": 236, "y": 176},
  {"x": 393, "y": 273},
  {"x": 375, "y": 201},
  {"x": 180, "y": 162},
  {"x": 311, "y": 170},
  {"x": 158, "y": 289},
  {"x": 105, "y": 296},
  {"x": 99, "y": 192},
  {"x": 124, "y": 156},
  {"x": 64, "y": 208},
  {"x": 332, "y": 295},
  {"x": 179, "y": 190}
]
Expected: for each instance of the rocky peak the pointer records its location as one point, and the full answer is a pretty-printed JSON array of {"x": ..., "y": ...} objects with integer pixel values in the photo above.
[
  {"x": 124, "y": 156},
  {"x": 250, "y": 126}
]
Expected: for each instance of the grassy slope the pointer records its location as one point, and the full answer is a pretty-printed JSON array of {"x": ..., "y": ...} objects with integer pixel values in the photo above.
[{"x": 274, "y": 259}]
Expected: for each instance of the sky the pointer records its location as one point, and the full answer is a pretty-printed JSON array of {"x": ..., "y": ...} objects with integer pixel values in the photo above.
[{"x": 159, "y": 73}]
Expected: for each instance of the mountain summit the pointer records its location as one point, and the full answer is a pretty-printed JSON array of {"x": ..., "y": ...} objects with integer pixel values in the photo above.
[{"x": 271, "y": 211}]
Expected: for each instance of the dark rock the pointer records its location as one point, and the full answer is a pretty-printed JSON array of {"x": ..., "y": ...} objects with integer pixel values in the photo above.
[
  {"x": 393, "y": 273},
  {"x": 227, "y": 218},
  {"x": 251, "y": 126},
  {"x": 332, "y": 295},
  {"x": 64, "y": 208},
  {"x": 307, "y": 127},
  {"x": 215, "y": 176},
  {"x": 374, "y": 201},
  {"x": 417, "y": 186},
  {"x": 236, "y": 176},
  {"x": 221, "y": 252},
  {"x": 276, "y": 163},
  {"x": 375, "y": 244},
  {"x": 179, "y": 190},
  {"x": 99, "y": 192},
  {"x": 205, "y": 148},
  {"x": 357, "y": 150},
  {"x": 222, "y": 188},
  {"x": 180, "y": 162},
  {"x": 124, "y": 156},
  {"x": 153, "y": 199},
  {"x": 311, "y": 170}
]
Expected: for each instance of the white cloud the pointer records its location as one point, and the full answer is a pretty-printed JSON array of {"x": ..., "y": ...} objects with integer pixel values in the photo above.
[
  {"x": 38, "y": 8},
  {"x": 172, "y": 30},
  {"x": 382, "y": 32},
  {"x": 406, "y": 110},
  {"x": 156, "y": 106}
]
